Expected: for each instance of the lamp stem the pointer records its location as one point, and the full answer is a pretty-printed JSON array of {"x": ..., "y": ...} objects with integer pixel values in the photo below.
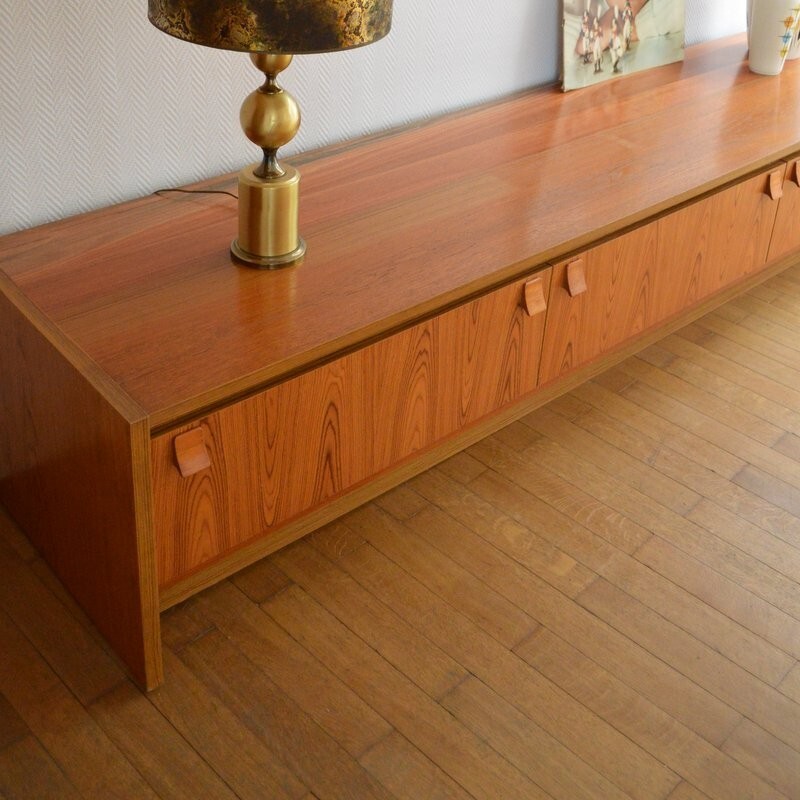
[
  {"x": 268, "y": 192},
  {"x": 269, "y": 167}
]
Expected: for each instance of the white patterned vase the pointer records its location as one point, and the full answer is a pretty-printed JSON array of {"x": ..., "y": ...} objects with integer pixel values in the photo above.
[
  {"x": 794, "y": 50},
  {"x": 772, "y": 27}
]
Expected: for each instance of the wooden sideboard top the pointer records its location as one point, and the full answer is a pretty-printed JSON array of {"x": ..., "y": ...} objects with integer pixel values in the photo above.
[{"x": 397, "y": 227}]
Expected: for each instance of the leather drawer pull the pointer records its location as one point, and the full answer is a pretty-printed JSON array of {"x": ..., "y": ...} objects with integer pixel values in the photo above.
[
  {"x": 776, "y": 184},
  {"x": 535, "y": 302},
  {"x": 576, "y": 278},
  {"x": 796, "y": 170},
  {"x": 191, "y": 452}
]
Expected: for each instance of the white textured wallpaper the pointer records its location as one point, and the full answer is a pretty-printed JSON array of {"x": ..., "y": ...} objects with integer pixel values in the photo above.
[{"x": 96, "y": 106}]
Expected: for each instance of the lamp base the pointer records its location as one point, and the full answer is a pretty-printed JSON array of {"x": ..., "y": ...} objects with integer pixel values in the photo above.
[
  {"x": 268, "y": 209},
  {"x": 268, "y": 262}
]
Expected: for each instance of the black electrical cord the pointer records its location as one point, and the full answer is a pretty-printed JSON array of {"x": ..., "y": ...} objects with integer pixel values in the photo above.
[{"x": 196, "y": 191}]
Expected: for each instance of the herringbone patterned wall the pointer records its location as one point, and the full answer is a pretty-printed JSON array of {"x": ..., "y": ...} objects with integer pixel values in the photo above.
[{"x": 96, "y": 106}]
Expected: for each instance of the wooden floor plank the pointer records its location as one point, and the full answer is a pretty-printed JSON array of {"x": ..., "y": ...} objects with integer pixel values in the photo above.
[
  {"x": 715, "y": 337},
  {"x": 696, "y": 760},
  {"x": 11, "y": 536},
  {"x": 789, "y": 445},
  {"x": 790, "y": 685},
  {"x": 700, "y": 398},
  {"x": 685, "y": 791},
  {"x": 766, "y": 756},
  {"x": 243, "y": 759},
  {"x": 12, "y": 726},
  {"x": 768, "y": 621},
  {"x": 261, "y": 581},
  {"x": 679, "y": 531},
  {"x": 160, "y": 754},
  {"x": 68, "y": 647},
  {"x": 555, "y": 501},
  {"x": 692, "y": 615},
  {"x": 462, "y": 467},
  {"x": 764, "y": 352},
  {"x": 293, "y": 672},
  {"x": 553, "y": 552},
  {"x": 599, "y": 395},
  {"x": 401, "y": 502},
  {"x": 708, "y": 624},
  {"x": 584, "y": 733},
  {"x": 527, "y": 747},
  {"x": 27, "y": 771},
  {"x": 781, "y": 556},
  {"x": 487, "y": 610},
  {"x": 786, "y": 302},
  {"x": 313, "y": 756},
  {"x": 408, "y": 773},
  {"x": 720, "y": 499},
  {"x": 376, "y": 623},
  {"x": 457, "y": 751},
  {"x": 739, "y": 689},
  {"x": 651, "y": 677},
  {"x": 783, "y": 287},
  {"x": 735, "y": 383},
  {"x": 785, "y": 281},
  {"x": 74, "y": 741},
  {"x": 668, "y": 491},
  {"x": 773, "y": 326},
  {"x": 739, "y": 566},
  {"x": 765, "y": 292},
  {"x": 517, "y": 436},
  {"x": 753, "y": 525},
  {"x": 731, "y": 502},
  {"x": 772, "y": 489},
  {"x": 672, "y": 408}
]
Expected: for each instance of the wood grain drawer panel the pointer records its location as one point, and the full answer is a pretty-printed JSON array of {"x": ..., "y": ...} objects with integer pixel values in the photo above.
[
  {"x": 614, "y": 306},
  {"x": 295, "y": 446},
  {"x": 642, "y": 278},
  {"x": 711, "y": 244},
  {"x": 742, "y": 221}
]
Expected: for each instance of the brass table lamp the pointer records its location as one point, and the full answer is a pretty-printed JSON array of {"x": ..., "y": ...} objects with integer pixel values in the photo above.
[{"x": 272, "y": 31}]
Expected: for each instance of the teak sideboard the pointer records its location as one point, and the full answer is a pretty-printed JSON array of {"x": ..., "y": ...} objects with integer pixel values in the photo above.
[{"x": 169, "y": 417}]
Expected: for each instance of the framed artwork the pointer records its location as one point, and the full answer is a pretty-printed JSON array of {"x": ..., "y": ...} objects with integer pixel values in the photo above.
[{"x": 607, "y": 38}]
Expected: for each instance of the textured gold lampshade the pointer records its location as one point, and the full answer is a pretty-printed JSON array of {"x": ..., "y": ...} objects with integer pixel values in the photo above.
[
  {"x": 272, "y": 31},
  {"x": 274, "y": 26}
]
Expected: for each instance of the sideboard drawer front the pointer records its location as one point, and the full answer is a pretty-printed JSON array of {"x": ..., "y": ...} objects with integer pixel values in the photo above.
[
  {"x": 742, "y": 221},
  {"x": 612, "y": 302},
  {"x": 713, "y": 243},
  {"x": 635, "y": 281},
  {"x": 294, "y": 447}
]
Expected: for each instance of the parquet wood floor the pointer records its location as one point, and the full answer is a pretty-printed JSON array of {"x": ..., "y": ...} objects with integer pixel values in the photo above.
[{"x": 599, "y": 601}]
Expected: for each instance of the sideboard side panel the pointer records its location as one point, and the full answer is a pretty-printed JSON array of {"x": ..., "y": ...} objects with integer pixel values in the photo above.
[{"x": 74, "y": 474}]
